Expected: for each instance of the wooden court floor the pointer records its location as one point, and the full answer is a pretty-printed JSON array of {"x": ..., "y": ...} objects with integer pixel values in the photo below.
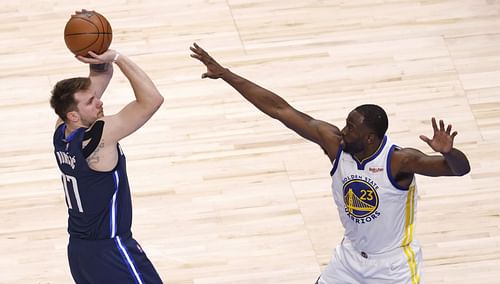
[{"x": 223, "y": 194}]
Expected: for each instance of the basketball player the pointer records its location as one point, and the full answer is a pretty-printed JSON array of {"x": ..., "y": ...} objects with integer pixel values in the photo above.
[
  {"x": 101, "y": 248},
  {"x": 373, "y": 182}
]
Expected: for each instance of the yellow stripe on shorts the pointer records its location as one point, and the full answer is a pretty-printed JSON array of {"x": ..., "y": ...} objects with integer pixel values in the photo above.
[{"x": 410, "y": 254}]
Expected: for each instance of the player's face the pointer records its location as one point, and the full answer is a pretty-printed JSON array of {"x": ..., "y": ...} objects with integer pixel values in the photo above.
[
  {"x": 354, "y": 133},
  {"x": 89, "y": 107}
]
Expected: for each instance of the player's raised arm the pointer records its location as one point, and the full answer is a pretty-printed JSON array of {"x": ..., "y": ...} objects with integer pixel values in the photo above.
[
  {"x": 100, "y": 75},
  {"x": 147, "y": 97},
  {"x": 451, "y": 162},
  {"x": 317, "y": 131}
]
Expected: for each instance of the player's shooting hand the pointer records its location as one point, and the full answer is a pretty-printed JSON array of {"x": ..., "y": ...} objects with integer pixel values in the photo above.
[
  {"x": 442, "y": 141},
  {"x": 214, "y": 69},
  {"x": 107, "y": 57},
  {"x": 82, "y": 12}
]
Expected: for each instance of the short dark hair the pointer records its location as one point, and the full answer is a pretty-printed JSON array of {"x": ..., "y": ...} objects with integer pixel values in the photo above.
[
  {"x": 63, "y": 99},
  {"x": 375, "y": 118}
]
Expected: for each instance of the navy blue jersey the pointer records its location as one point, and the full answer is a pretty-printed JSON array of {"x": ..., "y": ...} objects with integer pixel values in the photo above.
[{"x": 99, "y": 203}]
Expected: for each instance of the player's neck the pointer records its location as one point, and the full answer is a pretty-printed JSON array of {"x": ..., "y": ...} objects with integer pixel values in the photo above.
[
  {"x": 71, "y": 127},
  {"x": 369, "y": 151}
]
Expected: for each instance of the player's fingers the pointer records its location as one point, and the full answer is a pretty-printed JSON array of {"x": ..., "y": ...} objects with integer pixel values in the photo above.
[
  {"x": 198, "y": 47},
  {"x": 434, "y": 124},
  {"x": 93, "y": 54},
  {"x": 195, "y": 50},
  {"x": 196, "y": 56},
  {"x": 448, "y": 129},
  {"x": 82, "y": 58},
  {"x": 425, "y": 139},
  {"x": 441, "y": 125},
  {"x": 88, "y": 60},
  {"x": 204, "y": 75},
  {"x": 201, "y": 50},
  {"x": 454, "y": 134}
]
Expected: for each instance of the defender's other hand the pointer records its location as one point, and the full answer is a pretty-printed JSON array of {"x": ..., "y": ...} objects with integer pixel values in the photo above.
[
  {"x": 442, "y": 141},
  {"x": 214, "y": 69}
]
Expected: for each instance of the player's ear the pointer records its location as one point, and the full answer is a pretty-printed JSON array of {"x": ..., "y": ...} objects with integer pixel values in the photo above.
[
  {"x": 72, "y": 116},
  {"x": 371, "y": 138}
]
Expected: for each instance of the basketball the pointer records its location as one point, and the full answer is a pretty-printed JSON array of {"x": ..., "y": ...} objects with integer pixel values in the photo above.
[{"x": 87, "y": 31}]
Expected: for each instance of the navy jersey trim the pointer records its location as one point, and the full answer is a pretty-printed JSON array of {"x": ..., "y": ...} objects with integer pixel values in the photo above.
[
  {"x": 362, "y": 164},
  {"x": 61, "y": 127},
  {"x": 336, "y": 162},
  {"x": 94, "y": 134},
  {"x": 70, "y": 136},
  {"x": 389, "y": 169},
  {"x": 114, "y": 206},
  {"x": 129, "y": 262}
]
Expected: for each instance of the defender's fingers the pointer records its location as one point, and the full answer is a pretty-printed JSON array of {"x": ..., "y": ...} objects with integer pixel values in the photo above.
[
  {"x": 197, "y": 46},
  {"x": 441, "y": 125},
  {"x": 195, "y": 50},
  {"x": 196, "y": 56},
  {"x": 448, "y": 129},
  {"x": 425, "y": 139},
  {"x": 434, "y": 124},
  {"x": 454, "y": 134},
  {"x": 201, "y": 50}
]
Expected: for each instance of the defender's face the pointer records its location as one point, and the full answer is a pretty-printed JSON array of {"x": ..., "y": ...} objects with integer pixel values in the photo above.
[
  {"x": 88, "y": 107},
  {"x": 354, "y": 133}
]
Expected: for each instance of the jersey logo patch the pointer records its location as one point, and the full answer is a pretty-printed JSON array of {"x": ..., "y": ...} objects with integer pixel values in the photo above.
[
  {"x": 360, "y": 198},
  {"x": 375, "y": 170}
]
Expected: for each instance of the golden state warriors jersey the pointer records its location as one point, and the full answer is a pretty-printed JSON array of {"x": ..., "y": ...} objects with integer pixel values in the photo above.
[{"x": 377, "y": 214}]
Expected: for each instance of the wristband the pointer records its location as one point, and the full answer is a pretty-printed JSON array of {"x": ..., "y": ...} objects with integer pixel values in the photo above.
[
  {"x": 116, "y": 57},
  {"x": 99, "y": 67}
]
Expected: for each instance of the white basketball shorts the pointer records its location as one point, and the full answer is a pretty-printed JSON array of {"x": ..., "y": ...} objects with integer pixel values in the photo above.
[{"x": 350, "y": 266}]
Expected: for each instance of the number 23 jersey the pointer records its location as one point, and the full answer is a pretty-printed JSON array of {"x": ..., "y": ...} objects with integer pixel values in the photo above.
[{"x": 377, "y": 214}]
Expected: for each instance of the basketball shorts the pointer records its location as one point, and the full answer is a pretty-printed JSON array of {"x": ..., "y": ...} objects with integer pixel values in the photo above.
[
  {"x": 348, "y": 265},
  {"x": 118, "y": 260}
]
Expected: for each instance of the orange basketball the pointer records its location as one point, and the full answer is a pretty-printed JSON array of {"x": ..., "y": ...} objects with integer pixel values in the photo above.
[{"x": 87, "y": 31}]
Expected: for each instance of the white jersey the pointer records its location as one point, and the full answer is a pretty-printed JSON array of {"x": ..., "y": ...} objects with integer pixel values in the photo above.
[{"x": 377, "y": 214}]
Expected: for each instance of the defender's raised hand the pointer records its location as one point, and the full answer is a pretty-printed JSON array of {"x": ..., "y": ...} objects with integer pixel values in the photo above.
[
  {"x": 214, "y": 69},
  {"x": 442, "y": 141}
]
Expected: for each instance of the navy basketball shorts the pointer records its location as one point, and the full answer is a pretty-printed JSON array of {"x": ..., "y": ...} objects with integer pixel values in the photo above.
[{"x": 119, "y": 260}]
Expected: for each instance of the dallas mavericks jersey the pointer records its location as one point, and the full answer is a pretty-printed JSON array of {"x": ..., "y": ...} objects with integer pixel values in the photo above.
[
  {"x": 377, "y": 214},
  {"x": 99, "y": 203}
]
